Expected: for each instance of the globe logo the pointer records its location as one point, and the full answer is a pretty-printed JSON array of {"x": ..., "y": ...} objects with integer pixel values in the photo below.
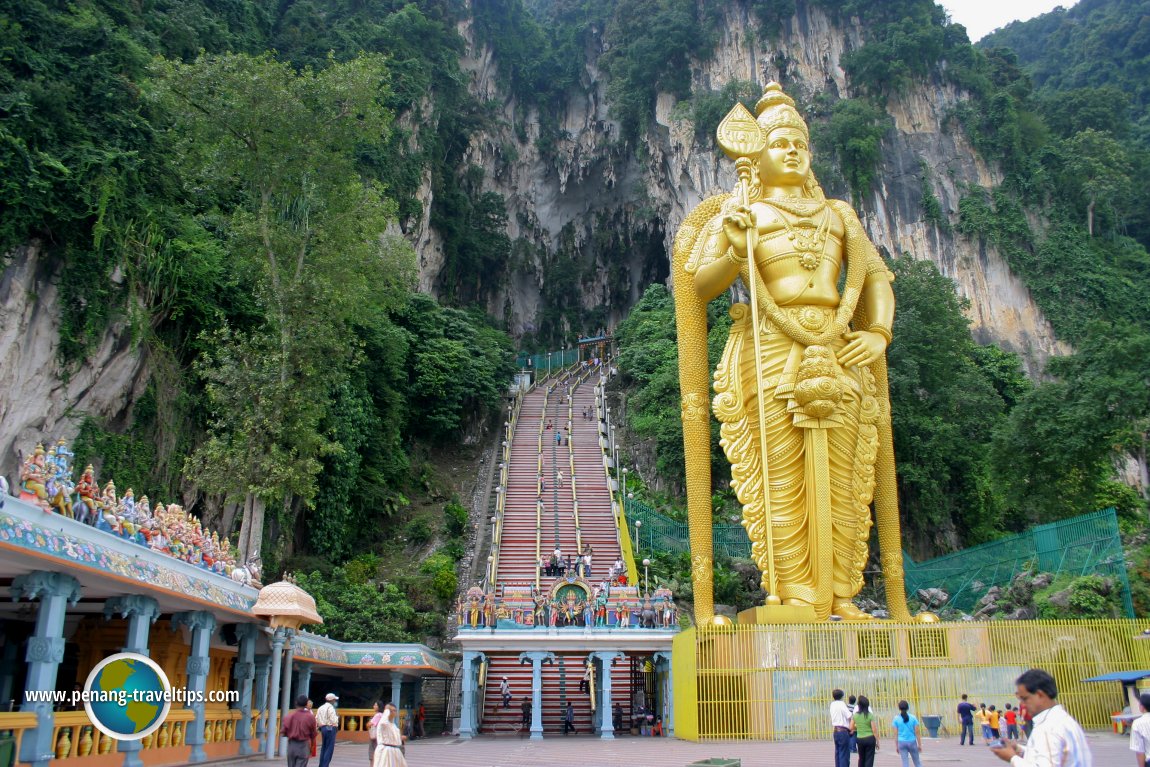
[{"x": 127, "y": 696}]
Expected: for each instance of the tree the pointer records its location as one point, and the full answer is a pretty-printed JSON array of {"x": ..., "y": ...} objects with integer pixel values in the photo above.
[
  {"x": 945, "y": 404},
  {"x": 272, "y": 154},
  {"x": 1098, "y": 165},
  {"x": 1063, "y": 439}
]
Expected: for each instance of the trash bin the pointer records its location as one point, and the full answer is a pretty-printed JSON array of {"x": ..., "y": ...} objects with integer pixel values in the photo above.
[
  {"x": 932, "y": 722},
  {"x": 7, "y": 749}
]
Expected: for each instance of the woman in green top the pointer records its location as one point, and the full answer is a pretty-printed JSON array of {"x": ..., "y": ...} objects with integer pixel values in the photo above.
[{"x": 862, "y": 726}]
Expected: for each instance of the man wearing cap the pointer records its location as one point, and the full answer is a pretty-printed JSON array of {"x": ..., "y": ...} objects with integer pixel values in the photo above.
[
  {"x": 505, "y": 692},
  {"x": 299, "y": 728},
  {"x": 328, "y": 721}
]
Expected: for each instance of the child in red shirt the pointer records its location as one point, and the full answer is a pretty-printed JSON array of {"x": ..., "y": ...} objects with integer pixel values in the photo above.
[{"x": 1011, "y": 717}]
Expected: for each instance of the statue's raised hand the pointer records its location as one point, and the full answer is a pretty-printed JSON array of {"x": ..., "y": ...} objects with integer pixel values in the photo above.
[{"x": 735, "y": 226}]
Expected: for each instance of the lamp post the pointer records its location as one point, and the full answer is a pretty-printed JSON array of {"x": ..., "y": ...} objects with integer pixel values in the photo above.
[
  {"x": 625, "y": 472},
  {"x": 638, "y": 524},
  {"x": 490, "y": 570},
  {"x": 548, "y": 364},
  {"x": 646, "y": 586}
]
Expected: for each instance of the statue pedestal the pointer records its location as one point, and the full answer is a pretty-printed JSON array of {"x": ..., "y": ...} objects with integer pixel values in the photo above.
[{"x": 774, "y": 614}]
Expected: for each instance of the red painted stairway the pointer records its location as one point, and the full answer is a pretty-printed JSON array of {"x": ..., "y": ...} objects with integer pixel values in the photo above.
[
  {"x": 528, "y": 533},
  {"x": 560, "y": 683}
]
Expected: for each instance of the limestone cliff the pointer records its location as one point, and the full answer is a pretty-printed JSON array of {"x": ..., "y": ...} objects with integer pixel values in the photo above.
[
  {"x": 591, "y": 219},
  {"x": 40, "y": 398},
  {"x": 615, "y": 211}
]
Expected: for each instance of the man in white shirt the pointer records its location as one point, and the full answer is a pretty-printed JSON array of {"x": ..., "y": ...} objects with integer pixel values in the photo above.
[
  {"x": 1057, "y": 739},
  {"x": 328, "y": 722},
  {"x": 1140, "y": 732},
  {"x": 841, "y": 724}
]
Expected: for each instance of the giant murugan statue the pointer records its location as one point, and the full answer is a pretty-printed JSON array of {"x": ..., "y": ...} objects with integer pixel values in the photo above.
[{"x": 806, "y": 456}]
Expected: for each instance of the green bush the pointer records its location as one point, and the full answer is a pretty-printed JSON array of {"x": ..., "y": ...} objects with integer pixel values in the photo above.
[
  {"x": 441, "y": 568},
  {"x": 455, "y": 519}
]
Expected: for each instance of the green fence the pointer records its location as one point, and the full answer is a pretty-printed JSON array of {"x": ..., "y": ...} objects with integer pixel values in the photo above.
[
  {"x": 657, "y": 532},
  {"x": 1086, "y": 545},
  {"x": 540, "y": 362},
  {"x": 1090, "y": 544}
]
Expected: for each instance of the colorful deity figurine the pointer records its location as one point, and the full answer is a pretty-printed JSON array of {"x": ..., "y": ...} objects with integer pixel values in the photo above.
[
  {"x": 64, "y": 456},
  {"x": 33, "y": 477},
  {"x": 87, "y": 491}
]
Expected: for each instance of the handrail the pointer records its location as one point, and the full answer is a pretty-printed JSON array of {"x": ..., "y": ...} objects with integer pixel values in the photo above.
[
  {"x": 621, "y": 529},
  {"x": 504, "y": 474}
]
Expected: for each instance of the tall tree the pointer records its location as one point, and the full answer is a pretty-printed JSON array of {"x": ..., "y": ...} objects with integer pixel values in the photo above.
[{"x": 272, "y": 154}]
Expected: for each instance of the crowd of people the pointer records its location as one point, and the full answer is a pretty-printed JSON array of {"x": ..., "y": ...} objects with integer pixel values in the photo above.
[
  {"x": 46, "y": 480},
  {"x": 1038, "y": 732}
]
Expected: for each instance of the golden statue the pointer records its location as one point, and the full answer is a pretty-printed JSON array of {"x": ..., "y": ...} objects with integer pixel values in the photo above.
[{"x": 818, "y": 353}]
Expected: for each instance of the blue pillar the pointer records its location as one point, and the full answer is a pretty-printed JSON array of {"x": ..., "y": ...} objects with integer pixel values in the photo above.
[
  {"x": 396, "y": 689},
  {"x": 537, "y": 660},
  {"x": 45, "y": 651},
  {"x": 201, "y": 624},
  {"x": 303, "y": 684},
  {"x": 272, "y": 732},
  {"x": 467, "y": 713},
  {"x": 606, "y": 727},
  {"x": 667, "y": 692},
  {"x": 141, "y": 613},
  {"x": 244, "y": 672},
  {"x": 263, "y": 665},
  {"x": 285, "y": 687}
]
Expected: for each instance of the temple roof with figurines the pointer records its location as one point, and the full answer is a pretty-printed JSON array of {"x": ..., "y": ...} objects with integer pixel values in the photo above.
[{"x": 46, "y": 480}]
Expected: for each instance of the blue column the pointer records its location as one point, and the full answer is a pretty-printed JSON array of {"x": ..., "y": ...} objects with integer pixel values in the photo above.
[
  {"x": 201, "y": 624},
  {"x": 285, "y": 686},
  {"x": 244, "y": 671},
  {"x": 45, "y": 651},
  {"x": 271, "y": 735},
  {"x": 396, "y": 688},
  {"x": 263, "y": 665},
  {"x": 467, "y": 713},
  {"x": 537, "y": 660},
  {"x": 303, "y": 684},
  {"x": 607, "y": 727},
  {"x": 668, "y": 692},
  {"x": 141, "y": 613}
]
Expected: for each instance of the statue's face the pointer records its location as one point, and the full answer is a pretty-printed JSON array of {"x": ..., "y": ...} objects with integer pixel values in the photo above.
[{"x": 787, "y": 159}]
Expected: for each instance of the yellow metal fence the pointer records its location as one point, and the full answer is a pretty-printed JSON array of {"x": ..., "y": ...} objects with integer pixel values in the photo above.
[{"x": 775, "y": 682}]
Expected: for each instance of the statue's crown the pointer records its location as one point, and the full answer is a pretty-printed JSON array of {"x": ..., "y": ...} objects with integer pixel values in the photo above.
[{"x": 776, "y": 109}]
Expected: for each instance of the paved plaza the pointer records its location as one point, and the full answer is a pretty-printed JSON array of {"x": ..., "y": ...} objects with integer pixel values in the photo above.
[{"x": 583, "y": 751}]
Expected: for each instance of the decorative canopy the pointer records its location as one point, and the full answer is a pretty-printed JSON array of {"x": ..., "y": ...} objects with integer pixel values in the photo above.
[{"x": 286, "y": 604}]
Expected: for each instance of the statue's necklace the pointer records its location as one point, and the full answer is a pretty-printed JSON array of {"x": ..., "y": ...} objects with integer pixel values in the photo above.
[{"x": 809, "y": 238}]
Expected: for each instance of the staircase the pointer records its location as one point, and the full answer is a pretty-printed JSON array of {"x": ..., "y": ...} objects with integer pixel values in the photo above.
[
  {"x": 560, "y": 683},
  {"x": 531, "y": 530},
  {"x": 575, "y": 515}
]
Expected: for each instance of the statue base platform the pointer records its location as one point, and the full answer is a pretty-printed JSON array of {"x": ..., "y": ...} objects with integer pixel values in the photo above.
[{"x": 777, "y": 614}]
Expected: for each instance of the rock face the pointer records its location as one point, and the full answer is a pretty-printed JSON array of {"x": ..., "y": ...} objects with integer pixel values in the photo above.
[
  {"x": 593, "y": 201},
  {"x": 39, "y": 398},
  {"x": 559, "y": 206}
]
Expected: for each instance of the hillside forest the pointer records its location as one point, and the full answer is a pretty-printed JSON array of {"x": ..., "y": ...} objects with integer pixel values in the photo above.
[{"x": 238, "y": 183}]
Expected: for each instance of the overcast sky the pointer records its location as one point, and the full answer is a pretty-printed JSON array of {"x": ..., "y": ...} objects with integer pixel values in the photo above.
[{"x": 981, "y": 17}]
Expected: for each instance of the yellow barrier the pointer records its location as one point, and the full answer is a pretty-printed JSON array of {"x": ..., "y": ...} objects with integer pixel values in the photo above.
[{"x": 775, "y": 682}]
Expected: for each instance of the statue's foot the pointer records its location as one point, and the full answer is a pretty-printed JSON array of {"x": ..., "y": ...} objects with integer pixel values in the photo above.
[
  {"x": 796, "y": 602},
  {"x": 846, "y": 610}
]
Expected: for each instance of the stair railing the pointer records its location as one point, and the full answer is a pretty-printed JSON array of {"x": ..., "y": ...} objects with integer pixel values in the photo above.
[{"x": 622, "y": 533}]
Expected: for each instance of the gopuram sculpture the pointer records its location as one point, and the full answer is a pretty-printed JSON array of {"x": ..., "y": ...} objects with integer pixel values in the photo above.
[{"x": 818, "y": 355}]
